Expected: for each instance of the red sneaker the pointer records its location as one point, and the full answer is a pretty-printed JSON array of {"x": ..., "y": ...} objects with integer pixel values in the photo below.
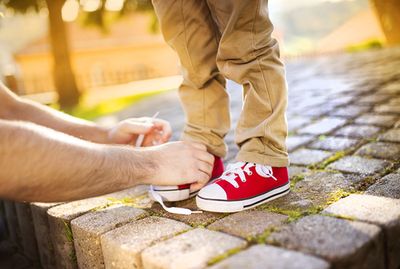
[
  {"x": 243, "y": 186},
  {"x": 182, "y": 192}
]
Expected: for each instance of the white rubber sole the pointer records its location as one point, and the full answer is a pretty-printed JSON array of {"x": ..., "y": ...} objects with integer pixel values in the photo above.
[
  {"x": 223, "y": 206},
  {"x": 174, "y": 195}
]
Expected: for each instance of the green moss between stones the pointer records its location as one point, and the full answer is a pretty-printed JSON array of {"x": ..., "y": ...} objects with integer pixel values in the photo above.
[
  {"x": 338, "y": 216},
  {"x": 295, "y": 179},
  {"x": 325, "y": 163},
  {"x": 223, "y": 256},
  {"x": 262, "y": 238},
  {"x": 294, "y": 214},
  {"x": 337, "y": 195},
  {"x": 68, "y": 232}
]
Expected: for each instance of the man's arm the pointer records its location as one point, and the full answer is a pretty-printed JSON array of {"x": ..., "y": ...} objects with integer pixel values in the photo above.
[
  {"x": 13, "y": 107},
  {"x": 40, "y": 164}
]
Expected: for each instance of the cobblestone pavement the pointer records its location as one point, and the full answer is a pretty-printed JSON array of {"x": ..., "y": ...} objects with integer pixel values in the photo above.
[{"x": 343, "y": 210}]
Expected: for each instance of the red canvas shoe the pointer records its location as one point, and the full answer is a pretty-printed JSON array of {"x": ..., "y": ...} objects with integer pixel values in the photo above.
[
  {"x": 243, "y": 186},
  {"x": 182, "y": 192}
]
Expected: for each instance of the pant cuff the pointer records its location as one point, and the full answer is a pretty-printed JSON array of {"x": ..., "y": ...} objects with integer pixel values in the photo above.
[
  {"x": 258, "y": 158},
  {"x": 217, "y": 150}
]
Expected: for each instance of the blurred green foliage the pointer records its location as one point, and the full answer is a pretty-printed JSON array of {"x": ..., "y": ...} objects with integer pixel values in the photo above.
[{"x": 367, "y": 45}]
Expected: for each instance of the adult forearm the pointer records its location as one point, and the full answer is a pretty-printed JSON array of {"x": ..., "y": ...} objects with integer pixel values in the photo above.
[
  {"x": 40, "y": 164},
  {"x": 26, "y": 110}
]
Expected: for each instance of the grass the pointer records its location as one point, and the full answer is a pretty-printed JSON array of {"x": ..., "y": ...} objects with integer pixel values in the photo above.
[
  {"x": 107, "y": 107},
  {"x": 366, "y": 45}
]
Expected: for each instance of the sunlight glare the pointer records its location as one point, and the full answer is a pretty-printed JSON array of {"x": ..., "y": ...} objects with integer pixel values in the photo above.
[
  {"x": 91, "y": 5},
  {"x": 114, "y": 5},
  {"x": 70, "y": 10}
]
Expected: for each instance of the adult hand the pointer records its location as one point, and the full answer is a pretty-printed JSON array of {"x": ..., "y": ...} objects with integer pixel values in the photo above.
[
  {"x": 181, "y": 163},
  {"x": 155, "y": 131}
]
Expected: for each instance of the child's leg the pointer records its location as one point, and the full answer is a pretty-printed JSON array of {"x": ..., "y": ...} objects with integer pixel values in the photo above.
[
  {"x": 188, "y": 28},
  {"x": 250, "y": 56}
]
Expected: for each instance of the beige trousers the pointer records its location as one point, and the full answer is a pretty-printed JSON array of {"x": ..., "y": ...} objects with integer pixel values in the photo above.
[{"x": 218, "y": 39}]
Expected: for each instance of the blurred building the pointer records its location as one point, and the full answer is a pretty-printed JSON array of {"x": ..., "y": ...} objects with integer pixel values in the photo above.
[
  {"x": 362, "y": 27},
  {"x": 127, "y": 52}
]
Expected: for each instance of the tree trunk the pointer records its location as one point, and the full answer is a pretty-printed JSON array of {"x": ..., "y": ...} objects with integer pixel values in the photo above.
[
  {"x": 388, "y": 12},
  {"x": 64, "y": 79}
]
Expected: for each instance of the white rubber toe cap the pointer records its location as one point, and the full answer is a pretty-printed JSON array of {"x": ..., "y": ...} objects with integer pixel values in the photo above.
[{"x": 213, "y": 191}]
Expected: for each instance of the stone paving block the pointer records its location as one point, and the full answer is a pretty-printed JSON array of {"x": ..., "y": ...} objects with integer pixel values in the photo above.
[
  {"x": 318, "y": 110},
  {"x": 373, "y": 99},
  {"x": 297, "y": 122},
  {"x": 390, "y": 88},
  {"x": 388, "y": 186},
  {"x": 42, "y": 232},
  {"x": 293, "y": 142},
  {"x": 358, "y": 131},
  {"x": 356, "y": 164},
  {"x": 394, "y": 101},
  {"x": 380, "y": 150},
  {"x": 378, "y": 120},
  {"x": 297, "y": 171},
  {"x": 60, "y": 218},
  {"x": 332, "y": 143},
  {"x": 12, "y": 223},
  {"x": 381, "y": 211},
  {"x": 342, "y": 100},
  {"x": 308, "y": 156},
  {"x": 123, "y": 246},
  {"x": 391, "y": 136},
  {"x": 248, "y": 224},
  {"x": 195, "y": 247},
  {"x": 3, "y": 224},
  {"x": 388, "y": 108},
  {"x": 397, "y": 124},
  {"x": 349, "y": 111},
  {"x": 345, "y": 244},
  {"x": 318, "y": 187},
  {"x": 88, "y": 228},
  {"x": 203, "y": 219},
  {"x": 293, "y": 201},
  {"x": 25, "y": 224},
  {"x": 323, "y": 126},
  {"x": 264, "y": 256}
]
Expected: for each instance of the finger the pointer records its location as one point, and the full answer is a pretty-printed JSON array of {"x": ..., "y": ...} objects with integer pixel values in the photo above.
[
  {"x": 136, "y": 128},
  {"x": 204, "y": 156},
  {"x": 200, "y": 183},
  {"x": 165, "y": 127},
  {"x": 205, "y": 168}
]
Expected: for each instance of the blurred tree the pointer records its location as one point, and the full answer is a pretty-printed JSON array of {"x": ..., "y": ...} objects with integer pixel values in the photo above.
[
  {"x": 388, "y": 12},
  {"x": 64, "y": 79}
]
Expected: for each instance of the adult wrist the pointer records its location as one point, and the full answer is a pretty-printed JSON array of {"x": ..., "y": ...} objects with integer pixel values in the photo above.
[{"x": 127, "y": 165}]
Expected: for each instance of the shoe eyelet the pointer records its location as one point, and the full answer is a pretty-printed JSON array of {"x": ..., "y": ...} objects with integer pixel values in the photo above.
[
  {"x": 250, "y": 173},
  {"x": 243, "y": 180},
  {"x": 236, "y": 187}
]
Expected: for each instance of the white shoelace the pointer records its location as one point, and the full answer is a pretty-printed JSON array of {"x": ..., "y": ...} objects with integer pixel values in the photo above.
[
  {"x": 174, "y": 210},
  {"x": 235, "y": 170}
]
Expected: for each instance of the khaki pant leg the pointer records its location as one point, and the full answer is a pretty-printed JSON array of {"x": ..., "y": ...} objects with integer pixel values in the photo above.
[
  {"x": 249, "y": 55},
  {"x": 188, "y": 28}
]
